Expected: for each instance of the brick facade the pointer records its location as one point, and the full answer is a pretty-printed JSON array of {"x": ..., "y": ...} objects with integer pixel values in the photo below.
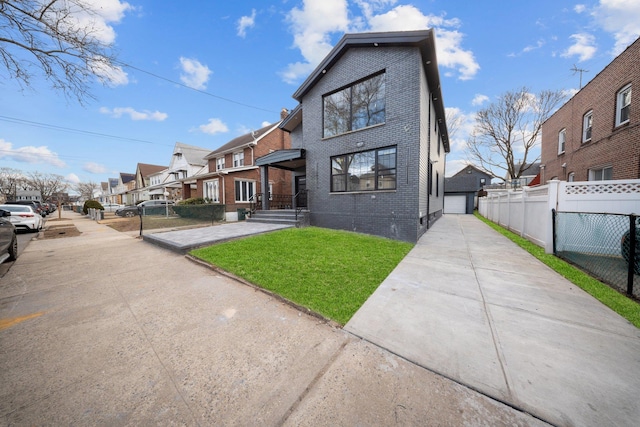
[
  {"x": 410, "y": 125},
  {"x": 612, "y": 146}
]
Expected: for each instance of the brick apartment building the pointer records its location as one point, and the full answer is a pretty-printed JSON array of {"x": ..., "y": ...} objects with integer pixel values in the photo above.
[{"x": 596, "y": 134}]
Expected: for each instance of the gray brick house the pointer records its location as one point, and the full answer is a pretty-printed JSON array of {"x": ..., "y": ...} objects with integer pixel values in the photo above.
[{"x": 369, "y": 137}]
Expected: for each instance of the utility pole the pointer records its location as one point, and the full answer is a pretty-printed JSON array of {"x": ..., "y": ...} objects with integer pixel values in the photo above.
[{"x": 579, "y": 70}]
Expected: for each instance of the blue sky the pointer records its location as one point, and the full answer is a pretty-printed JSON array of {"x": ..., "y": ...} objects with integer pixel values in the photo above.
[{"x": 245, "y": 59}]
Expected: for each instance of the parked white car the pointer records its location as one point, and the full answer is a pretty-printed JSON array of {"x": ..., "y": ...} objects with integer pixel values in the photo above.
[
  {"x": 23, "y": 217},
  {"x": 111, "y": 207}
]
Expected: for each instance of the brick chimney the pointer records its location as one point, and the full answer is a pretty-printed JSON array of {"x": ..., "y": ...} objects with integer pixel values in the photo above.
[{"x": 284, "y": 113}]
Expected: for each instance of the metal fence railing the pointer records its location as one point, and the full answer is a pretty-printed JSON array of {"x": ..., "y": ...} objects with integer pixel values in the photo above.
[
  {"x": 607, "y": 246},
  {"x": 180, "y": 216}
]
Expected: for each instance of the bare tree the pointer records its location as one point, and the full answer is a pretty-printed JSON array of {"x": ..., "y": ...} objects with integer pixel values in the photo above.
[
  {"x": 60, "y": 37},
  {"x": 454, "y": 120},
  {"x": 47, "y": 184},
  {"x": 507, "y": 131},
  {"x": 10, "y": 181},
  {"x": 86, "y": 189}
]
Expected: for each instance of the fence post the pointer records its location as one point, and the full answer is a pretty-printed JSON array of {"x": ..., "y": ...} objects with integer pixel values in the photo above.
[
  {"x": 549, "y": 241},
  {"x": 632, "y": 253},
  {"x": 553, "y": 231},
  {"x": 524, "y": 211}
]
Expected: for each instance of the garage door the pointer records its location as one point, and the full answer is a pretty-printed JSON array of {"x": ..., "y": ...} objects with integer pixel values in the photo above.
[{"x": 455, "y": 204}]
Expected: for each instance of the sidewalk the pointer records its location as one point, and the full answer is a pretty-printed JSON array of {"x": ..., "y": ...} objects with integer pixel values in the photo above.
[
  {"x": 469, "y": 304},
  {"x": 106, "y": 329}
]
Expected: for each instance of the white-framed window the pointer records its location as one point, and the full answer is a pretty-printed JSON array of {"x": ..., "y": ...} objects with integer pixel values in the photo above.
[
  {"x": 600, "y": 174},
  {"x": 587, "y": 124},
  {"x": 220, "y": 163},
  {"x": 271, "y": 191},
  {"x": 571, "y": 177},
  {"x": 623, "y": 105},
  {"x": 238, "y": 159},
  {"x": 562, "y": 140},
  {"x": 212, "y": 190},
  {"x": 245, "y": 190}
]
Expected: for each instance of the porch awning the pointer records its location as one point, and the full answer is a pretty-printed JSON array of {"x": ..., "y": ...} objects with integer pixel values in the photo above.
[
  {"x": 284, "y": 159},
  {"x": 156, "y": 191}
]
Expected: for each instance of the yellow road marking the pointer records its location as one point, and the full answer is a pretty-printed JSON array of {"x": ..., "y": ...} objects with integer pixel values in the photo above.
[{"x": 7, "y": 323}]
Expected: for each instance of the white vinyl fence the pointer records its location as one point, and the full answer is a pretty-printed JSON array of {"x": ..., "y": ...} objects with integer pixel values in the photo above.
[{"x": 527, "y": 212}]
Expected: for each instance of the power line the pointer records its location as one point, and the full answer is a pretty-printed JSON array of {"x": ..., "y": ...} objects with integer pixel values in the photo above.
[
  {"x": 204, "y": 92},
  {"x": 72, "y": 130}
]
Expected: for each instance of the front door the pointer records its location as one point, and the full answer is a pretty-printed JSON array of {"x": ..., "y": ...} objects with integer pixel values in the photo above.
[{"x": 301, "y": 191}]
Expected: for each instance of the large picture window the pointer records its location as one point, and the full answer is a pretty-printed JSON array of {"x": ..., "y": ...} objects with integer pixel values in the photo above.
[
  {"x": 212, "y": 191},
  {"x": 245, "y": 190},
  {"x": 356, "y": 107},
  {"x": 364, "y": 171}
]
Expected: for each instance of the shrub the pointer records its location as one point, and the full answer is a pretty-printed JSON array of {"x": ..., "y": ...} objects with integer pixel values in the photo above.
[
  {"x": 91, "y": 204},
  {"x": 193, "y": 201},
  {"x": 207, "y": 212}
]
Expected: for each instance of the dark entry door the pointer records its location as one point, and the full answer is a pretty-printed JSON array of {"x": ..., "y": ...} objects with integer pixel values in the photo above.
[{"x": 301, "y": 191}]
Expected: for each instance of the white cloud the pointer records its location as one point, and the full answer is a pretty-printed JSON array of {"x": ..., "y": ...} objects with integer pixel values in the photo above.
[
  {"x": 265, "y": 123},
  {"x": 72, "y": 178},
  {"x": 246, "y": 22},
  {"x": 107, "y": 74},
  {"x": 99, "y": 16},
  {"x": 92, "y": 167},
  {"x": 194, "y": 74},
  {"x": 529, "y": 48},
  {"x": 213, "y": 127},
  {"x": 579, "y": 8},
  {"x": 620, "y": 18},
  {"x": 30, "y": 154},
  {"x": 583, "y": 47},
  {"x": 135, "y": 115},
  {"x": 313, "y": 25},
  {"x": 479, "y": 99}
]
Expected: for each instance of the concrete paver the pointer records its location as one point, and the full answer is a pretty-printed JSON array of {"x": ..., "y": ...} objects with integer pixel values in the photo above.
[
  {"x": 469, "y": 304},
  {"x": 106, "y": 329}
]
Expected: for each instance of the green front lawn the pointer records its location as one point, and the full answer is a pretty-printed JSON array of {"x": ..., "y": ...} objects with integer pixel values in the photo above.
[{"x": 330, "y": 272}]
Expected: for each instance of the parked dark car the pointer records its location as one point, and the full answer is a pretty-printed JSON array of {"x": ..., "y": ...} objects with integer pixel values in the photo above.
[
  {"x": 625, "y": 245},
  {"x": 149, "y": 207},
  {"x": 8, "y": 238},
  {"x": 37, "y": 206}
]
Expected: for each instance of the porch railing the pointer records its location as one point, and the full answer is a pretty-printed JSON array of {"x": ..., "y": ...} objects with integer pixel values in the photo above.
[{"x": 279, "y": 201}]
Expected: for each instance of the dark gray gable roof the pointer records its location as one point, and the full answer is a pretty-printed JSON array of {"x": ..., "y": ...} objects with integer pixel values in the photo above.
[
  {"x": 126, "y": 177},
  {"x": 461, "y": 184},
  {"x": 465, "y": 170},
  {"x": 240, "y": 141},
  {"x": 423, "y": 39}
]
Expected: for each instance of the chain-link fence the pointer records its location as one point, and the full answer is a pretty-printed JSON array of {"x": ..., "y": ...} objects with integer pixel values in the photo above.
[
  {"x": 179, "y": 216},
  {"x": 602, "y": 245}
]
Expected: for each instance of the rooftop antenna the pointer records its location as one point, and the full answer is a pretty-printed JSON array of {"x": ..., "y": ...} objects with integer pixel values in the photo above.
[{"x": 579, "y": 70}]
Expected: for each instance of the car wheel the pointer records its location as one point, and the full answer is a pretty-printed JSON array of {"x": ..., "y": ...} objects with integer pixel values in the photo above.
[
  {"x": 13, "y": 249},
  {"x": 130, "y": 214}
]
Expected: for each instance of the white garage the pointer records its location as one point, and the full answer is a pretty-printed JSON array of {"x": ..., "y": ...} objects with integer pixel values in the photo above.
[{"x": 455, "y": 203}]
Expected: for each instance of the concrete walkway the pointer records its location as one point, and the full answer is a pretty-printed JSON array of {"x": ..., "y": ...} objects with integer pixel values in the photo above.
[
  {"x": 472, "y": 306},
  {"x": 106, "y": 329}
]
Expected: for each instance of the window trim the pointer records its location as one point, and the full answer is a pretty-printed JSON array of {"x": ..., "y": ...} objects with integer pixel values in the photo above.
[
  {"x": 562, "y": 146},
  {"x": 601, "y": 169},
  {"x": 250, "y": 182},
  {"x": 620, "y": 107},
  {"x": 214, "y": 189},
  {"x": 238, "y": 159},
  {"x": 220, "y": 163},
  {"x": 588, "y": 115},
  {"x": 376, "y": 172}
]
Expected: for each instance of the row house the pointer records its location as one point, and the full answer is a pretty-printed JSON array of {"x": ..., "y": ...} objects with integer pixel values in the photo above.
[
  {"x": 596, "y": 134},
  {"x": 144, "y": 172},
  {"x": 232, "y": 177}
]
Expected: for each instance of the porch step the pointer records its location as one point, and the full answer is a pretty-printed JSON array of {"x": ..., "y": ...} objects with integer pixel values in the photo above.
[{"x": 280, "y": 216}]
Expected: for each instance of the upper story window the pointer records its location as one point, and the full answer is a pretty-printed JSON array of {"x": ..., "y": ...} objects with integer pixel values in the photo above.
[
  {"x": 364, "y": 171},
  {"x": 355, "y": 107},
  {"x": 562, "y": 141},
  {"x": 623, "y": 105},
  {"x": 220, "y": 163},
  {"x": 587, "y": 123},
  {"x": 238, "y": 159}
]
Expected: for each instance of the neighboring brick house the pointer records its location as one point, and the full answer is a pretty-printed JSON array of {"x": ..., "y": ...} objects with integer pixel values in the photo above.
[
  {"x": 369, "y": 137},
  {"x": 596, "y": 134},
  {"x": 233, "y": 178},
  {"x": 461, "y": 190}
]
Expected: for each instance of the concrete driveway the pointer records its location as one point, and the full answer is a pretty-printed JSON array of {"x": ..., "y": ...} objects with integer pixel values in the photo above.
[{"x": 105, "y": 329}]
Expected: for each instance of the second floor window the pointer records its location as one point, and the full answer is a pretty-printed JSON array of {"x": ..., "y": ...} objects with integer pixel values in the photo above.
[
  {"x": 623, "y": 105},
  {"x": 587, "y": 123},
  {"x": 238, "y": 159},
  {"x": 356, "y": 107},
  {"x": 220, "y": 163},
  {"x": 562, "y": 140}
]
